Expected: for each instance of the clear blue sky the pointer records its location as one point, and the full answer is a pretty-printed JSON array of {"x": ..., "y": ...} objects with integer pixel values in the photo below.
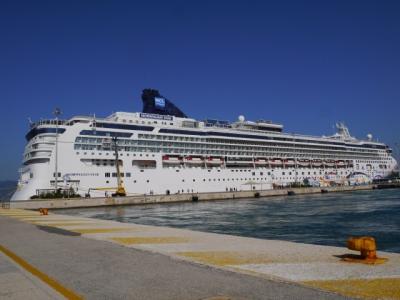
[{"x": 306, "y": 64}]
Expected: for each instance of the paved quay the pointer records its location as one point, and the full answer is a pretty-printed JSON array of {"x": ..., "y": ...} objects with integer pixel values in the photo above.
[
  {"x": 184, "y": 197},
  {"x": 100, "y": 259},
  {"x": 17, "y": 283}
]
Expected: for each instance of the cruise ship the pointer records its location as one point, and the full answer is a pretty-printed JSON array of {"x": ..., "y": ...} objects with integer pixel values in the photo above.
[{"x": 163, "y": 151}]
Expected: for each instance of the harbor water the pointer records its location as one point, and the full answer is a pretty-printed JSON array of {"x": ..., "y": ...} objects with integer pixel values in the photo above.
[{"x": 326, "y": 219}]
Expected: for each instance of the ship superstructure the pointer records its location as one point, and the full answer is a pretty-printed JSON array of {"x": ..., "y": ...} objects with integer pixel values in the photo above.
[{"x": 162, "y": 151}]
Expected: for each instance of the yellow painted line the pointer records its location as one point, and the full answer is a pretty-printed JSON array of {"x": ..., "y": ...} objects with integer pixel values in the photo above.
[
  {"x": 381, "y": 288},
  {"x": 27, "y": 219},
  {"x": 6, "y": 212},
  {"x": 223, "y": 258},
  {"x": 39, "y": 217},
  {"x": 99, "y": 230},
  {"x": 13, "y": 211},
  {"x": 22, "y": 216},
  {"x": 42, "y": 276},
  {"x": 55, "y": 221},
  {"x": 20, "y": 212},
  {"x": 150, "y": 240},
  {"x": 62, "y": 220},
  {"x": 64, "y": 224},
  {"x": 24, "y": 219},
  {"x": 36, "y": 216}
]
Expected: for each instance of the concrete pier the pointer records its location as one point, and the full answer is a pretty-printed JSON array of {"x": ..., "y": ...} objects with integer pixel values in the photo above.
[
  {"x": 86, "y": 264},
  {"x": 111, "y": 260},
  {"x": 148, "y": 199}
]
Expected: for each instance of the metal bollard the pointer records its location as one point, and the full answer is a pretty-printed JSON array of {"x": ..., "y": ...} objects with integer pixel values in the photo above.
[
  {"x": 43, "y": 211},
  {"x": 367, "y": 247}
]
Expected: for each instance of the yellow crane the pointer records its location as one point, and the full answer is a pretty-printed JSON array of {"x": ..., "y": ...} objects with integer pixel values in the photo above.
[
  {"x": 120, "y": 187},
  {"x": 119, "y": 190}
]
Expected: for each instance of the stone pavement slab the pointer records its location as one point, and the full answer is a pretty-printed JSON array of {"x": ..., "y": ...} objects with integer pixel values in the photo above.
[
  {"x": 310, "y": 265},
  {"x": 96, "y": 267},
  {"x": 16, "y": 283}
]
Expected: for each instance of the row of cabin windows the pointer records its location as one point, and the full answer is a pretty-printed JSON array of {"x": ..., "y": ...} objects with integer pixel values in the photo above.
[
  {"x": 194, "y": 151},
  {"x": 229, "y": 179},
  {"x": 128, "y": 174},
  {"x": 380, "y": 148},
  {"x": 108, "y": 174},
  {"x": 222, "y": 145},
  {"x": 325, "y": 144},
  {"x": 144, "y": 122},
  {"x": 226, "y": 150},
  {"x": 233, "y": 179},
  {"x": 119, "y": 154},
  {"x": 372, "y": 161}
]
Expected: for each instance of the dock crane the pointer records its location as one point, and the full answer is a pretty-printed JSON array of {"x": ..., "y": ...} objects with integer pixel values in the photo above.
[
  {"x": 119, "y": 190},
  {"x": 120, "y": 187}
]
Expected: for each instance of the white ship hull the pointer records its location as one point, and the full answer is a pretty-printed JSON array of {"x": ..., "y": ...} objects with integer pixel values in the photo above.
[{"x": 203, "y": 158}]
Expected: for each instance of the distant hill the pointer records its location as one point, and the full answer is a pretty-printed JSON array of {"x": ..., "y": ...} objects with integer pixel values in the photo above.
[{"x": 7, "y": 188}]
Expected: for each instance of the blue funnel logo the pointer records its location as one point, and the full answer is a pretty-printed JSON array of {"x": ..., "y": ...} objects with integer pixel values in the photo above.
[{"x": 159, "y": 102}]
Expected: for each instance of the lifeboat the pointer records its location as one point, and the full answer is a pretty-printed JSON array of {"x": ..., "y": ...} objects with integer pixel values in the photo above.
[
  {"x": 239, "y": 161},
  {"x": 303, "y": 162},
  {"x": 214, "y": 160},
  {"x": 276, "y": 162},
  {"x": 317, "y": 162},
  {"x": 261, "y": 161},
  {"x": 290, "y": 162},
  {"x": 329, "y": 163},
  {"x": 172, "y": 159},
  {"x": 340, "y": 163},
  {"x": 194, "y": 160}
]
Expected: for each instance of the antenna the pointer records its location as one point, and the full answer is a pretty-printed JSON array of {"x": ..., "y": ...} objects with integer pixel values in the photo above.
[
  {"x": 94, "y": 124},
  {"x": 57, "y": 112}
]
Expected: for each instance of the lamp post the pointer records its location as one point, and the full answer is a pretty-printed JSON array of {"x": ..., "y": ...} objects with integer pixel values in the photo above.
[
  {"x": 397, "y": 156},
  {"x": 57, "y": 112}
]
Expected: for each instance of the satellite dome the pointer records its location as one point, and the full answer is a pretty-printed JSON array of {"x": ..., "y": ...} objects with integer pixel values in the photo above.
[
  {"x": 241, "y": 118},
  {"x": 369, "y": 136}
]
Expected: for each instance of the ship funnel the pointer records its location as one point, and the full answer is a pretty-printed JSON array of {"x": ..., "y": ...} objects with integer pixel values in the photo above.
[{"x": 155, "y": 103}]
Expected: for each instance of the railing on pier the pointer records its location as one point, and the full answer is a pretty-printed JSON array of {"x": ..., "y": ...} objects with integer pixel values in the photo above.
[{"x": 5, "y": 203}]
